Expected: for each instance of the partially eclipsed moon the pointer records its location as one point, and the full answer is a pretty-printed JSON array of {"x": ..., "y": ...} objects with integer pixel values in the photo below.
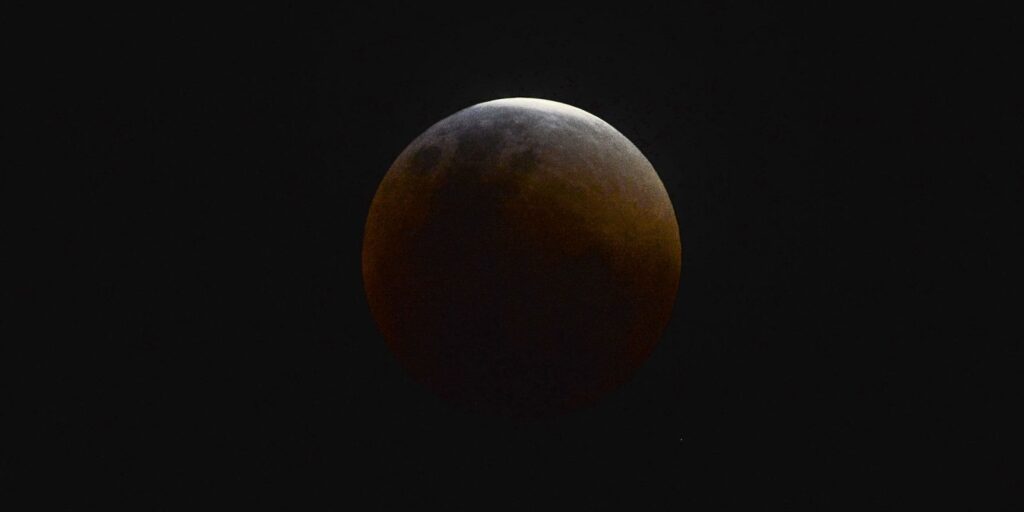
[{"x": 521, "y": 257}]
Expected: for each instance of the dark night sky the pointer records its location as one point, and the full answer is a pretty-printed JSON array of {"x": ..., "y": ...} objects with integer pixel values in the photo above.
[{"x": 205, "y": 181}]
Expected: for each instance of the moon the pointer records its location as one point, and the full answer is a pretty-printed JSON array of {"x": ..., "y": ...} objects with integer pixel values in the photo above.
[{"x": 521, "y": 257}]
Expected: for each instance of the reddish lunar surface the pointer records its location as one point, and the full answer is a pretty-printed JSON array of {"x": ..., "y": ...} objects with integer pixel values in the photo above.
[{"x": 521, "y": 257}]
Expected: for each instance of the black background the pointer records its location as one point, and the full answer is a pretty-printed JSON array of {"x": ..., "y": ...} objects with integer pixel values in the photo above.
[{"x": 203, "y": 179}]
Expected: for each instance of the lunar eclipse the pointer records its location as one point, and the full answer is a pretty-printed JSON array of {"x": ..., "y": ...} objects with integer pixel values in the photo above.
[{"x": 521, "y": 257}]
